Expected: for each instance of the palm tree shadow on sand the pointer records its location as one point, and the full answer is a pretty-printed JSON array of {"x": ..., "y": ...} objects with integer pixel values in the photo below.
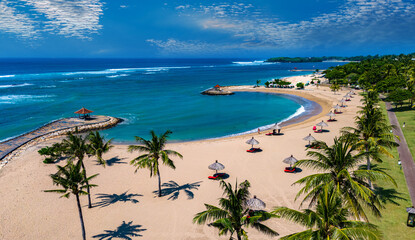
[
  {"x": 172, "y": 188},
  {"x": 115, "y": 160},
  {"x": 108, "y": 199},
  {"x": 124, "y": 231}
]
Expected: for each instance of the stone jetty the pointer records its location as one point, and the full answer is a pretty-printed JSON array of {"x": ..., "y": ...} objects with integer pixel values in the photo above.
[
  {"x": 217, "y": 90},
  {"x": 13, "y": 147}
]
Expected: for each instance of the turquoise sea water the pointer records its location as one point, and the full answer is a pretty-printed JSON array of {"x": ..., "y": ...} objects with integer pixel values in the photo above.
[{"x": 147, "y": 94}]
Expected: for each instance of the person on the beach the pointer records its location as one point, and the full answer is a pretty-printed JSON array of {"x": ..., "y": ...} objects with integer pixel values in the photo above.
[
  {"x": 403, "y": 124},
  {"x": 259, "y": 131}
]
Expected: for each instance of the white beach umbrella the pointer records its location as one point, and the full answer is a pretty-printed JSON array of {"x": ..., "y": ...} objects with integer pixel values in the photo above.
[
  {"x": 276, "y": 126},
  {"x": 217, "y": 166},
  {"x": 255, "y": 204},
  {"x": 322, "y": 124},
  {"x": 309, "y": 138},
  {"x": 252, "y": 142},
  {"x": 331, "y": 114},
  {"x": 290, "y": 160},
  {"x": 337, "y": 108}
]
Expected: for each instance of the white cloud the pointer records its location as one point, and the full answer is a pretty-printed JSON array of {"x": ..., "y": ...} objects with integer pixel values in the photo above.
[
  {"x": 70, "y": 18},
  {"x": 11, "y": 21},
  {"x": 355, "y": 21}
]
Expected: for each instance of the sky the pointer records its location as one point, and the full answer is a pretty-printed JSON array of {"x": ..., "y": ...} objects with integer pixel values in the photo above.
[{"x": 205, "y": 28}]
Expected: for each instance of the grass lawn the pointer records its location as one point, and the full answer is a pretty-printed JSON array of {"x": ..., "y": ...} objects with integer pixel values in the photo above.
[{"x": 393, "y": 221}]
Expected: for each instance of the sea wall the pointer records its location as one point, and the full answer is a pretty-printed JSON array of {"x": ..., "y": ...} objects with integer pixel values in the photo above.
[{"x": 17, "y": 145}]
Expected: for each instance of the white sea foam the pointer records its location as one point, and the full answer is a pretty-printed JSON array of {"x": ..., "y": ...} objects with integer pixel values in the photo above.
[
  {"x": 12, "y": 99},
  {"x": 119, "y": 75},
  {"x": 49, "y": 86},
  {"x": 16, "y": 85},
  {"x": 7, "y": 76},
  {"x": 297, "y": 113},
  {"x": 253, "y": 63}
]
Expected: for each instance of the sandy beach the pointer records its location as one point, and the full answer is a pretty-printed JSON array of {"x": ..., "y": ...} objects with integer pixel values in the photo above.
[{"x": 125, "y": 202}]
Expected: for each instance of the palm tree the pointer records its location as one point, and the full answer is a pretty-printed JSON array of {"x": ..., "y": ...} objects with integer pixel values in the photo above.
[
  {"x": 335, "y": 87},
  {"x": 98, "y": 146},
  {"x": 329, "y": 220},
  {"x": 258, "y": 82},
  {"x": 340, "y": 166},
  {"x": 76, "y": 147},
  {"x": 154, "y": 151},
  {"x": 73, "y": 181},
  {"x": 373, "y": 132},
  {"x": 232, "y": 215}
]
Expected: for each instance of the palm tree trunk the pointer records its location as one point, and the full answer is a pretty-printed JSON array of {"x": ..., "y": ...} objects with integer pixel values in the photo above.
[
  {"x": 87, "y": 186},
  {"x": 158, "y": 175},
  {"x": 368, "y": 166},
  {"x": 80, "y": 216},
  {"x": 238, "y": 234}
]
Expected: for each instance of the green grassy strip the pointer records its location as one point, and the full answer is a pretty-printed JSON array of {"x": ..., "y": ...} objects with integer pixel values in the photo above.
[{"x": 393, "y": 220}]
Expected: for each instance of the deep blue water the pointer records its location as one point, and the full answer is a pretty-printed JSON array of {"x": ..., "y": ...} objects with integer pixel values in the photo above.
[{"x": 157, "y": 94}]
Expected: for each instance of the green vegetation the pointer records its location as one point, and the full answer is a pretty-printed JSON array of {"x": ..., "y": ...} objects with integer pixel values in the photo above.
[
  {"x": 73, "y": 181},
  {"x": 328, "y": 221},
  {"x": 52, "y": 153},
  {"x": 154, "y": 151},
  {"x": 233, "y": 214},
  {"x": 398, "y": 96},
  {"x": 300, "y": 85},
  {"x": 407, "y": 115},
  {"x": 395, "y": 200},
  {"x": 98, "y": 146},
  {"x": 320, "y": 59}
]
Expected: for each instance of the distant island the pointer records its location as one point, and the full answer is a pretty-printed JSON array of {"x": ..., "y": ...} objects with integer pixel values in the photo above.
[{"x": 321, "y": 59}]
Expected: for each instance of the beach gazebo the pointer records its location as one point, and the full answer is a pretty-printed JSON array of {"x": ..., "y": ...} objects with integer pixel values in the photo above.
[
  {"x": 217, "y": 87},
  {"x": 83, "y": 111},
  {"x": 255, "y": 204},
  {"x": 217, "y": 166}
]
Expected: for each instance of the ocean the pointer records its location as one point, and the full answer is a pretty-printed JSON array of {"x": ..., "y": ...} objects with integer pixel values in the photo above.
[{"x": 148, "y": 94}]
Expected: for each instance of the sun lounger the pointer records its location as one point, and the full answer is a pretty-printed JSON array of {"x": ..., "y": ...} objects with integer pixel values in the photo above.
[
  {"x": 252, "y": 150},
  {"x": 289, "y": 170},
  {"x": 331, "y": 120},
  {"x": 318, "y": 131},
  {"x": 217, "y": 176}
]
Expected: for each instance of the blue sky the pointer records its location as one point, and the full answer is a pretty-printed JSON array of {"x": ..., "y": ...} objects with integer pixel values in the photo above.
[{"x": 206, "y": 28}]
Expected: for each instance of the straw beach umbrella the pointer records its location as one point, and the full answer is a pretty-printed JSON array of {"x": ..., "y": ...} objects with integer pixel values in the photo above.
[
  {"x": 276, "y": 126},
  {"x": 342, "y": 102},
  {"x": 255, "y": 204},
  {"x": 331, "y": 114},
  {"x": 337, "y": 108},
  {"x": 290, "y": 160},
  {"x": 322, "y": 124},
  {"x": 217, "y": 166},
  {"x": 252, "y": 142},
  {"x": 309, "y": 138}
]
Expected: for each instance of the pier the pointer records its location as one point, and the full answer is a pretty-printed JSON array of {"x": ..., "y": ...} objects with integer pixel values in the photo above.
[{"x": 10, "y": 148}]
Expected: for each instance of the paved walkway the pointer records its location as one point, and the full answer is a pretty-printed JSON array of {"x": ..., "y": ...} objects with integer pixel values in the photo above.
[
  {"x": 407, "y": 161},
  {"x": 9, "y": 146}
]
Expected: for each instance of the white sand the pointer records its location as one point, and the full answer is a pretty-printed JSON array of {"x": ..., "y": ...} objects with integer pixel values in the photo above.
[{"x": 29, "y": 213}]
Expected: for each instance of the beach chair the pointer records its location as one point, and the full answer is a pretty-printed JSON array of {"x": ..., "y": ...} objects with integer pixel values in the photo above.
[
  {"x": 289, "y": 170},
  {"x": 253, "y": 150},
  {"x": 217, "y": 176},
  {"x": 318, "y": 131},
  {"x": 332, "y": 120}
]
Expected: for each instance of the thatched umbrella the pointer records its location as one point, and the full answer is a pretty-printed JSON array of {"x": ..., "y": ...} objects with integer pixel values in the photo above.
[
  {"x": 216, "y": 166},
  {"x": 347, "y": 96},
  {"x": 322, "y": 124},
  {"x": 255, "y": 204},
  {"x": 342, "y": 102},
  {"x": 276, "y": 126},
  {"x": 290, "y": 160},
  {"x": 252, "y": 142},
  {"x": 309, "y": 138},
  {"x": 331, "y": 114},
  {"x": 337, "y": 108}
]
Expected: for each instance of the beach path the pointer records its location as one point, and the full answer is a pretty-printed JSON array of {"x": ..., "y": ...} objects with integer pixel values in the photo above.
[
  {"x": 11, "y": 145},
  {"x": 405, "y": 156}
]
